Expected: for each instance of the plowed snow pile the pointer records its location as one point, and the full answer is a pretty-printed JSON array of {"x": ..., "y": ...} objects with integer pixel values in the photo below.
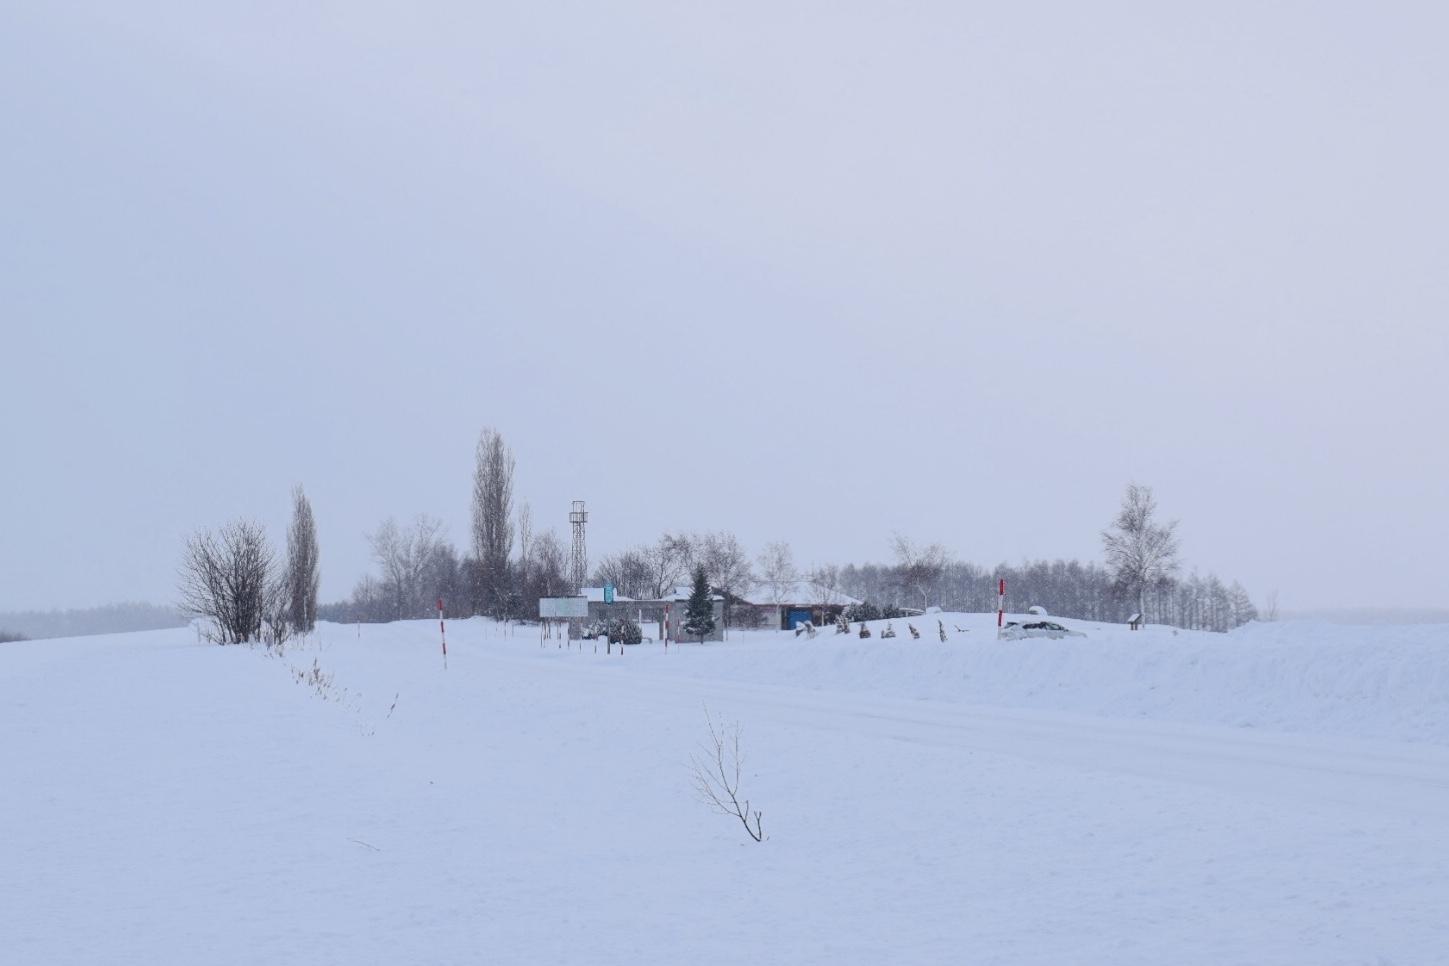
[{"x": 1275, "y": 795}]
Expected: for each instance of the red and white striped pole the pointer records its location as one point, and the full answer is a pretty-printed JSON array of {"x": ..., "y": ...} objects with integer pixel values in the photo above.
[
  {"x": 1001, "y": 605},
  {"x": 667, "y": 628},
  {"x": 443, "y": 631}
]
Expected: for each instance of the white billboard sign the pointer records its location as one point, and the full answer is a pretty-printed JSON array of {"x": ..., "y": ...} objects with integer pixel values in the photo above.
[{"x": 557, "y": 607}]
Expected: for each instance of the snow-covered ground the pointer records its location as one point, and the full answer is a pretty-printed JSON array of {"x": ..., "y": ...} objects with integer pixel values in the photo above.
[{"x": 1276, "y": 795}]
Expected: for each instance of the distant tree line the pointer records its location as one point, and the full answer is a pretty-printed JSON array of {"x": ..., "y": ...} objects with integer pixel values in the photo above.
[
  {"x": 108, "y": 619},
  {"x": 1140, "y": 577},
  {"x": 1065, "y": 588},
  {"x": 509, "y": 567}
]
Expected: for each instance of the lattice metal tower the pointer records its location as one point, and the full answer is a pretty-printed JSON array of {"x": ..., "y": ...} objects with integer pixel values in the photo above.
[{"x": 579, "y": 565}]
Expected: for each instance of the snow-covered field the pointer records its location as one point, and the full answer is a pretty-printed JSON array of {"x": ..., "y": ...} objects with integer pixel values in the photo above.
[{"x": 1276, "y": 795}]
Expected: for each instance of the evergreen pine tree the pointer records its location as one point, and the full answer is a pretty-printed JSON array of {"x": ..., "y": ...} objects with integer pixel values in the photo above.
[{"x": 699, "y": 612}]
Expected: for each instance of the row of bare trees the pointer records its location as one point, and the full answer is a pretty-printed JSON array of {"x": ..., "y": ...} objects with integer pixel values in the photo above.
[
  {"x": 651, "y": 571},
  {"x": 417, "y": 565},
  {"x": 232, "y": 582},
  {"x": 1066, "y": 588},
  {"x": 1140, "y": 576}
]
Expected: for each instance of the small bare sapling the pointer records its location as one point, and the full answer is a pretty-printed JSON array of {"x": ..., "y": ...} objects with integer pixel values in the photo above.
[{"x": 716, "y": 774}]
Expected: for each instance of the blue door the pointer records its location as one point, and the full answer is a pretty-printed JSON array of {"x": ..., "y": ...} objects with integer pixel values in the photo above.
[{"x": 796, "y": 618}]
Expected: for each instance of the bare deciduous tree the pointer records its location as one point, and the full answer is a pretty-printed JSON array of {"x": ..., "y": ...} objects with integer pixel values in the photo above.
[
  {"x": 404, "y": 554},
  {"x": 825, "y": 583},
  {"x": 778, "y": 573},
  {"x": 669, "y": 563},
  {"x": 716, "y": 774},
  {"x": 227, "y": 580},
  {"x": 1141, "y": 552},
  {"x": 919, "y": 569},
  {"x": 372, "y": 602},
  {"x": 628, "y": 571},
  {"x": 550, "y": 564},
  {"x": 1241, "y": 609},
  {"x": 727, "y": 566},
  {"x": 525, "y": 540},
  {"x": 303, "y": 577}
]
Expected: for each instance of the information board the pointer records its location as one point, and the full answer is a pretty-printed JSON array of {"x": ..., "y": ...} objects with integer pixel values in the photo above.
[{"x": 557, "y": 607}]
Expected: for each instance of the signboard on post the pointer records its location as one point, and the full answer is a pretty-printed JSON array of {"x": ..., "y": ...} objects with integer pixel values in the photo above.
[
  {"x": 556, "y": 608},
  {"x": 609, "y": 593}
]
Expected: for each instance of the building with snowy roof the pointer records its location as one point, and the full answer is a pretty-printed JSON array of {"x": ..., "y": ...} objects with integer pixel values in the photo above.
[{"x": 785, "y": 605}]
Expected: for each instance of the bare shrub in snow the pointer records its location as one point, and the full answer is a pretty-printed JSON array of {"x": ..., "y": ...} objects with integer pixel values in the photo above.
[
  {"x": 716, "y": 774},
  {"x": 318, "y": 680},
  {"x": 227, "y": 580},
  {"x": 622, "y": 630},
  {"x": 744, "y": 615},
  {"x": 277, "y": 627}
]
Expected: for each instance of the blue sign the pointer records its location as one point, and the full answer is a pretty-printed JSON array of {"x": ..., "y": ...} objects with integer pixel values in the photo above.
[{"x": 608, "y": 593}]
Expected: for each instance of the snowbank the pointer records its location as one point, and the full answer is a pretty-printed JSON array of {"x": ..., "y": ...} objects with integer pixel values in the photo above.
[
  {"x": 351, "y": 801},
  {"x": 1381, "y": 682}
]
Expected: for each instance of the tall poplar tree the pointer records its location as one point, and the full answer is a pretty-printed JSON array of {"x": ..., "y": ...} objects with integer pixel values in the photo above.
[
  {"x": 303, "y": 577},
  {"x": 492, "y": 520}
]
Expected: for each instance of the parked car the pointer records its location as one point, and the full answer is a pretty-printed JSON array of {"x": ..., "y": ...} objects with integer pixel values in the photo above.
[{"x": 1016, "y": 632}]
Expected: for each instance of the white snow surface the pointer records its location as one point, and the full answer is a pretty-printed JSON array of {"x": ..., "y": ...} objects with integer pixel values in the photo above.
[{"x": 1279, "y": 794}]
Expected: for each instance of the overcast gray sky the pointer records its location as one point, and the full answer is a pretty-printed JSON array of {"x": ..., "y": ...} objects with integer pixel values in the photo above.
[{"x": 818, "y": 272}]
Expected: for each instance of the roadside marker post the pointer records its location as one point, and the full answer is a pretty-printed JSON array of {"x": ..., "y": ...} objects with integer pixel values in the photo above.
[
  {"x": 1001, "y": 606},
  {"x": 443, "y": 631}
]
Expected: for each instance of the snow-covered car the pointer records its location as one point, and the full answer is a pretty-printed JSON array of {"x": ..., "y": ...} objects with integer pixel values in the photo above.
[{"x": 1016, "y": 632}]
